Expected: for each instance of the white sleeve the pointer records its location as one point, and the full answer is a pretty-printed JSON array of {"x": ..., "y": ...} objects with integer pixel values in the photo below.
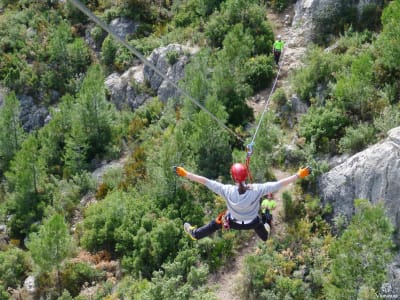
[
  {"x": 267, "y": 187},
  {"x": 216, "y": 187}
]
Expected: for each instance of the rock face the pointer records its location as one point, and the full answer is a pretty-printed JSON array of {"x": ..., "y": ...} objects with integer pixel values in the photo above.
[
  {"x": 31, "y": 116},
  {"x": 125, "y": 90},
  {"x": 123, "y": 27},
  {"x": 172, "y": 68},
  {"x": 308, "y": 11},
  {"x": 373, "y": 174}
]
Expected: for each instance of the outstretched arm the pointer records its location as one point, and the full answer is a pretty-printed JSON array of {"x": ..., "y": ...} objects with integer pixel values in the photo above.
[
  {"x": 193, "y": 177},
  {"x": 303, "y": 172}
]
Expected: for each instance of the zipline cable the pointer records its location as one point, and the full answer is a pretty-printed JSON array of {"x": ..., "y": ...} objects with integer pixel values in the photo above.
[
  {"x": 105, "y": 27},
  {"x": 268, "y": 100},
  {"x": 250, "y": 147}
]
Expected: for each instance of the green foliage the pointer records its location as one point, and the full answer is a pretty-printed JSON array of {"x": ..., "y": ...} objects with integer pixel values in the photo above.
[
  {"x": 360, "y": 255},
  {"x": 336, "y": 17},
  {"x": 216, "y": 251},
  {"x": 321, "y": 67},
  {"x": 321, "y": 125},
  {"x": 108, "y": 51},
  {"x": 51, "y": 245},
  {"x": 279, "y": 5},
  {"x": 172, "y": 57},
  {"x": 11, "y": 132},
  {"x": 228, "y": 77},
  {"x": 388, "y": 119},
  {"x": 248, "y": 13},
  {"x": 387, "y": 44},
  {"x": 74, "y": 276},
  {"x": 354, "y": 92},
  {"x": 259, "y": 71},
  {"x": 357, "y": 138},
  {"x": 211, "y": 145},
  {"x": 14, "y": 267},
  {"x": 67, "y": 193},
  {"x": 4, "y": 295},
  {"x": 191, "y": 11},
  {"x": 263, "y": 154},
  {"x": 26, "y": 180},
  {"x": 370, "y": 17},
  {"x": 292, "y": 210},
  {"x": 92, "y": 124}
]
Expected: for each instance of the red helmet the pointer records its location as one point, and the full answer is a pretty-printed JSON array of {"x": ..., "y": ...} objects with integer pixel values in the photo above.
[{"x": 239, "y": 172}]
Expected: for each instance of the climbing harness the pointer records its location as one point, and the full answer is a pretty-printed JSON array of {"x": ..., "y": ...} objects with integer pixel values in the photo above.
[
  {"x": 105, "y": 27},
  {"x": 223, "y": 218}
]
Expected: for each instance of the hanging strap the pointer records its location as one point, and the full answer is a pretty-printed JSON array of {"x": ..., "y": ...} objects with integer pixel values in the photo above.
[{"x": 249, "y": 149}]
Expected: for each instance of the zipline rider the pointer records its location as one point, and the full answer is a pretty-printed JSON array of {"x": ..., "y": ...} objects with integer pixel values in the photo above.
[{"x": 242, "y": 200}]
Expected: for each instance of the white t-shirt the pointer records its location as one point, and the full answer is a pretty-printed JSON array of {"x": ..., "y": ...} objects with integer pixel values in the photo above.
[{"x": 246, "y": 206}]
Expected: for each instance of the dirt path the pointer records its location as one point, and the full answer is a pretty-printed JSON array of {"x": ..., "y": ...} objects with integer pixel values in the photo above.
[
  {"x": 295, "y": 47},
  {"x": 227, "y": 280}
]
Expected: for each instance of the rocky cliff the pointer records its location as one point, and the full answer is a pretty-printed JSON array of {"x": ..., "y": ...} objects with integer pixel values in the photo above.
[{"x": 372, "y": 174}]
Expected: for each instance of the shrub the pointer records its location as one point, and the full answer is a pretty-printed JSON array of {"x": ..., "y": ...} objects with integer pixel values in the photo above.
[
  {"x": 279, "y": 5},
  {"x": 259, "y": 71},
  {"x": 387, "y": 120},
  {"x": 291, "y": 209},
  {"x": 14, "y": 267},
  {"x": 321, "y": 125},
  {"x": 357, "y": 138},
  {"x": 172, "y": 57},
  {"x": 108, "y": 51},
  {"x": 320, "y": 70},
  {"x": 74, "y": 275},
  {"x": 360, "y": 256},
  {"x": 370, "y": 17}
]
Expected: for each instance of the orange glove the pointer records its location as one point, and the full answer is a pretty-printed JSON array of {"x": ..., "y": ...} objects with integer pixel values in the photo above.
[
  {"x": 180, "y": 171},
  {"x": 304, "y": 172}
]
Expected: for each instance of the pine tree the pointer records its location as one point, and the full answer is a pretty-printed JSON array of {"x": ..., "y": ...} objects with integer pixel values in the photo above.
[
  {"x": 51, "y": 245},
  {"x": 94, "y": 112},
  {"x": 26, "y": 180},
  {"x": 11, "y": 131}
]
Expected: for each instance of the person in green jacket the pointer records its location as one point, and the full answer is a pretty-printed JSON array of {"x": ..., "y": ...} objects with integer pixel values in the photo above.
[
  {"x": 277, "y": 49},
  {"x": 268, "y": 205}
]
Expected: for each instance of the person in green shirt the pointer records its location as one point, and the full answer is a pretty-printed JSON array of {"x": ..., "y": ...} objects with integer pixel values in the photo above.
[
  {"x": 268, "y": 205},
  {"x": 278, "y": 48}
]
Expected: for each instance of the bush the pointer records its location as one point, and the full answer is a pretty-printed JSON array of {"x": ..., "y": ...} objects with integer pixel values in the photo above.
[
  {"x": 357, "y": 138},
  {"x": 279, "y": 5},
  {"x": 388, "y": 119},
  {"x": 14, "y": 267},
  {"x": 259, "y": 71},
  {"x": 74, "y": 275},
  {"x": 320, "y": 71},
  {"x": 360, "y": 256},
  {"x": 322, "y": 125},
  {"x": 108, "y": 51},
  {"x": 172, "y": 57}
]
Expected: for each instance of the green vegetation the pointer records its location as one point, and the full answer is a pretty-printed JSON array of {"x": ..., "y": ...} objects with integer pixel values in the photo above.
[{"x": 135, "y": 215}]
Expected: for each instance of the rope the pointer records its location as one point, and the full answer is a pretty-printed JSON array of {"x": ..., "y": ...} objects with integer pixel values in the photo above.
[
  {"x": 250, "y": 147},
  {"x": 105, "y": 27},
  {"x": 268, "y": 99}
]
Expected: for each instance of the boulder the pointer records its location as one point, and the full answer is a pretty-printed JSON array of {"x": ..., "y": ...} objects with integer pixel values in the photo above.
[
  {"x": 172, "y": 68},
  {"x": 372, "y": 174},
  {"x": 126, "y": 90},
  {"x": 123, "y": 89},
  {"x": 123, "y": 27},
  {"x": 31, "y": 116},
  {"x": 307, "y": 12}
]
